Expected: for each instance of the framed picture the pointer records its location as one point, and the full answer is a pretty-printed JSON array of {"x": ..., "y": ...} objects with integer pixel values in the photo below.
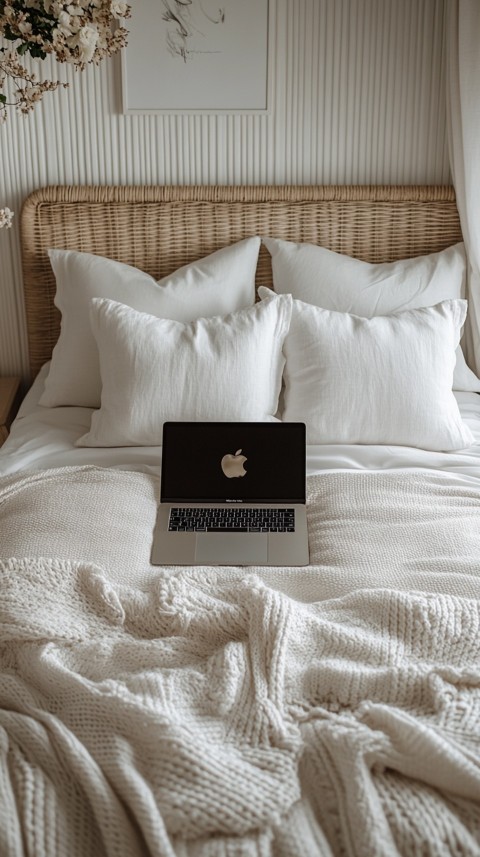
[{"x": 197, "y": 56}]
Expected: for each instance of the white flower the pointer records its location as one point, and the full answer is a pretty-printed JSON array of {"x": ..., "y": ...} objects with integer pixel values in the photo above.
[
  {"x": 65, "y": 24},
  {"x": 119, "y": 9},
  {"x": 53, "y": 7},
  {"x": 85, "y": 40},
  {"x": 6, "y": 217}
]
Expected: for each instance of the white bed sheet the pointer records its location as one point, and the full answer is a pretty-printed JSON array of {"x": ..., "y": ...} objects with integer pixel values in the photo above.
[{"x": 42, "y": 438}]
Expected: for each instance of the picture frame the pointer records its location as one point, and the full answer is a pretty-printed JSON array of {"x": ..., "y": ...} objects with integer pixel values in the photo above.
[{"x": 196, "y": 56}]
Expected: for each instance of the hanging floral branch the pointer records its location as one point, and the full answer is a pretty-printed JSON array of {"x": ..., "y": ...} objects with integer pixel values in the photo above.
[
  {"x": 27, "y": 89},
  {"x": 78, "y": 33}
]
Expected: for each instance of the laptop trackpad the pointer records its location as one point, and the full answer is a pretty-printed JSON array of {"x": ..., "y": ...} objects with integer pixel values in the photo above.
[{"x": 231, "y": 548}]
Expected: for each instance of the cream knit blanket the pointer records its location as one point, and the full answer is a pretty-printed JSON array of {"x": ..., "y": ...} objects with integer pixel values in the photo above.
[
  {"x": 211, "y": 717},
  {"x": 212, "y": 714}
]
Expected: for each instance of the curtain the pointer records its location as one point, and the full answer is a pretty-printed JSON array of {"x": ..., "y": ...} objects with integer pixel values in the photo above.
[{"x": 463, "y": 118}]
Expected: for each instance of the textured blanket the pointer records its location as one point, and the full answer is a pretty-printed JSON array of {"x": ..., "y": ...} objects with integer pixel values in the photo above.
[
  {"x": 208, "y": 717},
  {"x": 331, "y": 710}
]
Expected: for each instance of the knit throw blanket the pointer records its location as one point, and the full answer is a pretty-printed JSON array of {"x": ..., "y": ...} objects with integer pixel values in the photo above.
[{"x": 215, "y": 717}]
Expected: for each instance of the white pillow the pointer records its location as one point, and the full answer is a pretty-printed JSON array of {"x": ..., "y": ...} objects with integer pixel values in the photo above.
[
  {"x": 333, "y": 281},
  {"x": 384, "y": 380},
  {"x": 154, "y": 370},
  {"x": 216, "y": 285}
]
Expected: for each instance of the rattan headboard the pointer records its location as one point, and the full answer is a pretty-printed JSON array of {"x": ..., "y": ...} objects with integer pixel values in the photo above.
[{"x": 158, "y": 229}]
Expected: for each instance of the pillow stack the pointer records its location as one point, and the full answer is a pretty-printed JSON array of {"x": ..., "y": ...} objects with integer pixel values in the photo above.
[
  {"x": 337, "y": 282},
  {"x": 368, "y": 354},
  {"x": 216, "y": 285},
  {"x": 373, "y": 350}
]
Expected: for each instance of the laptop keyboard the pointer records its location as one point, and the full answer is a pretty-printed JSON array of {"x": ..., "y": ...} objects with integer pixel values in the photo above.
[{"x": 233, "y": 519}]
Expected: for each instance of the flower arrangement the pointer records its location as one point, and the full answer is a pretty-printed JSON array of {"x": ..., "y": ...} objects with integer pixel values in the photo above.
[{"x": 77, "y": 32}]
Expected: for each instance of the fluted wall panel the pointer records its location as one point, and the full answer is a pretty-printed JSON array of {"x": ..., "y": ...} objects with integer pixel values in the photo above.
[{"x": 357, "y": 96}]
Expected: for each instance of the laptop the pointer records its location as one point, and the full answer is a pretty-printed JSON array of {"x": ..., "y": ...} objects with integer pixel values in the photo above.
[{"x": 232, "y": 494}]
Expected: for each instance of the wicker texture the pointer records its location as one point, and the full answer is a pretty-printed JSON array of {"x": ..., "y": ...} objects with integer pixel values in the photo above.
[{"x": 158, "y": 229}]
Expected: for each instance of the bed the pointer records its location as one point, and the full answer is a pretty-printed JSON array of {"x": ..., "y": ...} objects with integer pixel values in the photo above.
[{"x": 327, "y": 710}]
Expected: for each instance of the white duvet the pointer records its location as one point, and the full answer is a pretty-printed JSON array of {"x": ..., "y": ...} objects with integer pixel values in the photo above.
[
  {"x": 322, "y": 711},
  {"x": 206, "y": 712},
  {"x": 313, "y": 712}
]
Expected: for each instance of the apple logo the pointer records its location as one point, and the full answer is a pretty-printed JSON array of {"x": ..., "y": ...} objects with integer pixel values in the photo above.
[{"x": 232, "y": 465}]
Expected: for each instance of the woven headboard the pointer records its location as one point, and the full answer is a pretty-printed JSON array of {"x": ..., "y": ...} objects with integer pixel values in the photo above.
[{"x": 158, "y": 229}]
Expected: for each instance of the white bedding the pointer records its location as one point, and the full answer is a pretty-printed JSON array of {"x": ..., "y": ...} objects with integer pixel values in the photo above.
[
  {"x": 364, "y": 700},
  {"x": 45, "y": 437},
  {"x": 205, "y": 713},
  {"x": 325, "y": 711}
]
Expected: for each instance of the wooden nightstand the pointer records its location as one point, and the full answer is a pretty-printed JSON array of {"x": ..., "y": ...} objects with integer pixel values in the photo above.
[{"x": 9, "y": 402}]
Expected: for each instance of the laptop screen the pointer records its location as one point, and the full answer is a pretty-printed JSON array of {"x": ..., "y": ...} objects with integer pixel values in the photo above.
[{"x": 238, "y": 462}]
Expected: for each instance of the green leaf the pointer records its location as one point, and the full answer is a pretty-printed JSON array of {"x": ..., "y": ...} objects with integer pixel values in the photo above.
[
  {"x": 22, "y": 49},
  {"x": 36, "y": 51},
  {"x": 9, "y": 34},
  {"x": 3, "y": 99}
]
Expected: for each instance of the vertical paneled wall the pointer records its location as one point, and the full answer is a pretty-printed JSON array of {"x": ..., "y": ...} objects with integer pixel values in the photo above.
[{"x": 357, "y": 96}]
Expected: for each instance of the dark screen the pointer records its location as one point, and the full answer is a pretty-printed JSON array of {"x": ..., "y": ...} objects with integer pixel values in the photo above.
[{"x": 275, "y": 462}]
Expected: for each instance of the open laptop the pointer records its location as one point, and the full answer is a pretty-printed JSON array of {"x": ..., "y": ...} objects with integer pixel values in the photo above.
[{"x": 232, "y": 494}]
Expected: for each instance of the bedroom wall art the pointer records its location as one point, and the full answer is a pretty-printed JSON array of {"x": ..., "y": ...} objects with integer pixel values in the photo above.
[
  {"x": 357, "y": 96},
  {"x": 201, "y": 56}
]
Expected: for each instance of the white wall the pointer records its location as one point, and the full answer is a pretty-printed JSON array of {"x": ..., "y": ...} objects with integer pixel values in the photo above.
[{"x": 358, "y": 97}]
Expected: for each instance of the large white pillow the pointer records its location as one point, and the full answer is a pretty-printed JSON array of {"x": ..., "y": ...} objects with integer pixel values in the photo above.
[
  {"x": 215, "y": 285},
  {"x": 154, "y": 370},
  {"x": 334, "y": 281},
  {"x": 384, "y": 380}
]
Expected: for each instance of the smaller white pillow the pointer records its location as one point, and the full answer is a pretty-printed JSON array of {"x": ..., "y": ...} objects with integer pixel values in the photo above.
[
  {"x": 223, "y": 368},
  {"x": 215, "y": 285},
  {"x": 384, "y": 380},
  {"x": 335, "y": 281}
]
